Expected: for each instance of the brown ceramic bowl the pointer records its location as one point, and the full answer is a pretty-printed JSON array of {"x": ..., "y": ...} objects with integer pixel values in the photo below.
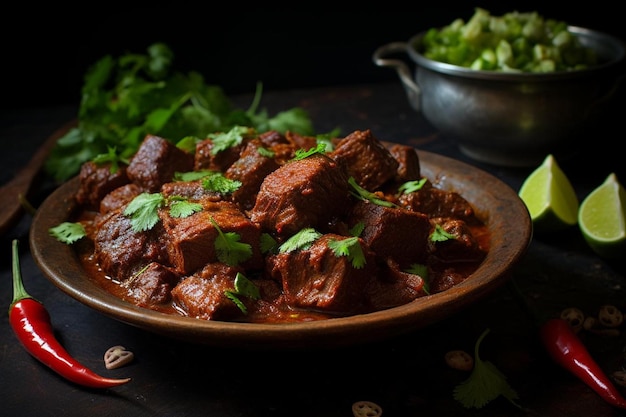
[{"x": 495, "y": 202}]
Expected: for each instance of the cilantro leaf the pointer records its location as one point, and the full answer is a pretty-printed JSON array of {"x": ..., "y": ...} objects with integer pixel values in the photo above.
[
  {"x": 350, "y": 247},
  {"x": 268, "y": 243},
  {"x": 301, "y": 240},
  {"x": 184, "y": 208},
  {"x": 243, "y": 287},
  {"x": 301, "y": 153},
  {"x": 440, "y": 235},
  {"x": 422, "y": 271},
  {"x": 68, "y": 232},
  {"x": 362, "y": 194},
  {"x": 124, "y": 98},
  {"x": 143, "y": 211},
  {"x": 228, "y": 247},
  {"x": 223, "y": 141},
  {"x": 412, "y": 186},
  {"x": 484, "y": 384},
  {"x": 219, "y": 183}
]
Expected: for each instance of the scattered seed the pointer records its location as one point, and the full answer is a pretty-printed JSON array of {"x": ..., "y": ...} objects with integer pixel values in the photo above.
[
  {"x": 366, "y": 409},
  {"x": 117, "y": 356},
  {"x": 460, "y": 360}
]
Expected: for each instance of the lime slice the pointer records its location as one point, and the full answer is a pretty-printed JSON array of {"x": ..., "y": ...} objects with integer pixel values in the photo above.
[
  {"x": 550, "y": 198},
  {"x": 602, "y": 218}
]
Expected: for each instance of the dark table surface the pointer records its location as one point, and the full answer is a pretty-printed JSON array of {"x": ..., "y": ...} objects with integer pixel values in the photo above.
[{"x": 406, "y": 375}]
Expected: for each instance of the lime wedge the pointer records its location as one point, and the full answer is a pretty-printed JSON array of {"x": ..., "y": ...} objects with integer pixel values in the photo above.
[
  {"x": 549, "y": 197},
  {"x": 602, "y": 218}
]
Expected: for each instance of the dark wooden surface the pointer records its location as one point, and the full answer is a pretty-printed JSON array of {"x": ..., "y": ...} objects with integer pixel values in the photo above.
[{"x": 405, "y": 375}]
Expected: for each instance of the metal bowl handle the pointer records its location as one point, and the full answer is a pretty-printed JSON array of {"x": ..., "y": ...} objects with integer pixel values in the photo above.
[{"x": 413, "y": 90}]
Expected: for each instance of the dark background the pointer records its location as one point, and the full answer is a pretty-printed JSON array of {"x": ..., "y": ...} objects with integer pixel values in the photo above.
[{"x": 304, "y": 45}]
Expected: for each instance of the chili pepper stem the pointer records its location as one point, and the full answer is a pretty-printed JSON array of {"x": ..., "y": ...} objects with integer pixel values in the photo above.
[{"x": 31, "y": 324}]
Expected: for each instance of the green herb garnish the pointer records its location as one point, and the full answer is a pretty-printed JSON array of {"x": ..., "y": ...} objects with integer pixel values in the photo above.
[
  {"x": 243, "y": 287},
  {"x": 362, "y": 194},
  {"x": 440, "y": 235},
  {"x": 485, "y": 383},
  {"x": 301, "y": 240},
  {"x": 350, "y": 247},
  {"x": 68, "y": 232},
  {"x": 125, "y": 98},
  {"x": 228, "y": 247}
]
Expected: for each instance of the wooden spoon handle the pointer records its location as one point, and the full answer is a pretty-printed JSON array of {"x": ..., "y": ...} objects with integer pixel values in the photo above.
[{"x": 20, "y": 186}]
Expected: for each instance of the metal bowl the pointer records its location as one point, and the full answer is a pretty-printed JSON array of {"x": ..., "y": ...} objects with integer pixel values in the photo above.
[{"x": 510, "y": 119}]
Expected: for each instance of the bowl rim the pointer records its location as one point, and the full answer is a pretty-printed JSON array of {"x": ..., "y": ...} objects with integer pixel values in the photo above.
[
  {"x": 613, "y": 48},
  {"x": 60, "y": 265}
]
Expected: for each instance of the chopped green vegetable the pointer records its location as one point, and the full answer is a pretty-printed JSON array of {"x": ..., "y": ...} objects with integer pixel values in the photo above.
[
  {"x": 513, "y": 42},
  {"x": 485, "y": 383},
  {"x": 125, "y": 98},
  {"x": 68, "y": 232}
]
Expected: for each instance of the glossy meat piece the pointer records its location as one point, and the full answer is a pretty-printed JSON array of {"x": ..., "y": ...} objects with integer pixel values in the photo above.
[
  {"x": 155, "y": 163},
  {"x": 317, "y": 279},
  {"x": 193, "y": 190},
  {"x": 394, "y": 287},
  {"x": 119, "y": 197},
  {"x": 438, "y": 203},
  {"x": 408, "y": 162},
  {"x": 250, "y": 169},
  {"x": 309, "y": 192},
  {"x": 120, "y": 251},
  {"x": 393, "y": 233},
  {"x": 463, "y": 248},
  {"x": 152, "y": 285},
  {"x": 204, "y": 159},
  {"x": 98, "y": 180},
  {"x": 202, "y": 296},
  {"x": 191, "y": 240},
  {"x": 366, "y": 159}
]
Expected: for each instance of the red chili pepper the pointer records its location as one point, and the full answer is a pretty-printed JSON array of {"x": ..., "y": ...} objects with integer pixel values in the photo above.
[
  {"x": 32, "y": 325},
  {"x": 566, "y": 349}
]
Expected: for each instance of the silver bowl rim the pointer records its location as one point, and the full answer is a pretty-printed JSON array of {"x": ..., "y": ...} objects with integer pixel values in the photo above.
[{"x": 613, "y": 52}]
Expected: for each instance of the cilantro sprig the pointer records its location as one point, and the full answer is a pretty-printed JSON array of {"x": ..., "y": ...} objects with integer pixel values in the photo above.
[
  {"x": 362, "y": 194},
  {"x": 228, "y": 247},
  {"x": 125, "y": 98},
  {"x": 486, "y": 383},
  {"x": 243, "y": 287}
]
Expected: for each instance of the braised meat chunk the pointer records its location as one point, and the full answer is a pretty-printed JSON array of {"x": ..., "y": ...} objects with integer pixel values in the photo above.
[
  {"x": 98, "y": 180},
  {"x": 393, "y": 233},
  {"x": 315, "y": 278},
  {"x": 191, "y": 242},
  {"x": 121, "y": 251},
  {"x": 156, "y": 162},
  {"x": 152, "y": 285},
  {"x": 308, "y": 192},
  {"x": 366, "y": 159}
]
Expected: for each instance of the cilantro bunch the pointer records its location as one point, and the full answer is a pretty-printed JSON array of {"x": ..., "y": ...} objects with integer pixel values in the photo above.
[{"x": 123, "y": 99}]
